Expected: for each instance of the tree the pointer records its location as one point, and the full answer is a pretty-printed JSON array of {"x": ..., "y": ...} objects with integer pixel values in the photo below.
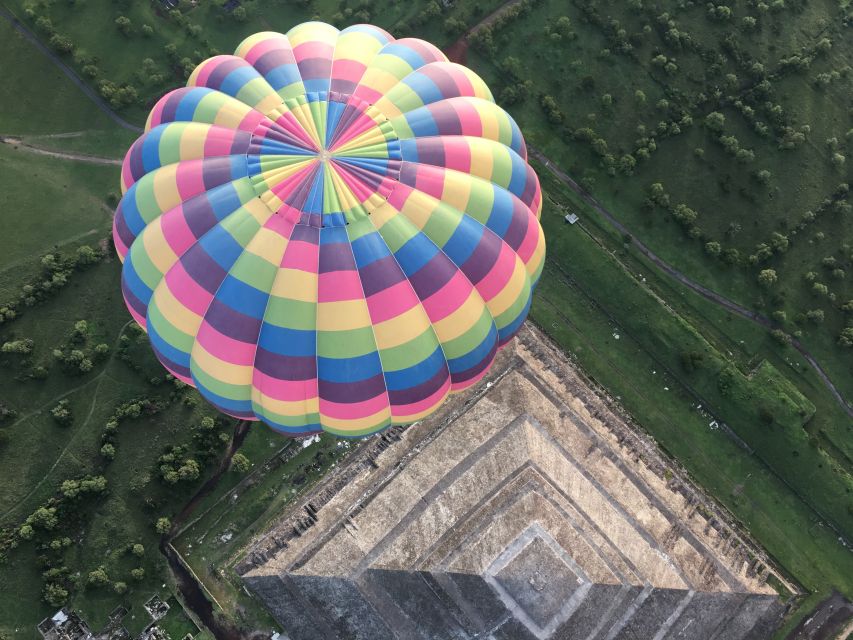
[
  {"x": 820, "y": 289},
  {"x": 713, "y": 248},
  {"x": 137, "y": 574},
  {"x": 715, "y": 121},
  {"x": 26, "y": 532},
  {"x": 163, "y": 525},
  {"x": 120, "y": 587},
  {"x": 138, "y": 550},
  {"x": 781, "y": 337},
  {"x": 124, "y": 25},
  {"x": 108, "y": 451},
  {"x": 98, "y": 577},
  {"x": 24, "y": 346},
  {"x": 767, "y": 278},
  {"x": 61, "y": 413},
  {"x": 815, "y": 316},
  {"x": 845, "y": 338},
  {"x": 148, "y": 30},
  {"x": 240, "y": 463},
  {"x": 44, "y": 518},
  {"x": 55, "y": 594}
]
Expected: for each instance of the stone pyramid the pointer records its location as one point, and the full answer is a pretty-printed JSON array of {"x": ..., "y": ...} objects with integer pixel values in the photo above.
[{"x": 528, "y": 510}]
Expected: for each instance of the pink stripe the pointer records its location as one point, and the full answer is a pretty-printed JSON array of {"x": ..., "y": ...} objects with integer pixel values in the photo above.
[
  {"x": 224, "y": 347},
  {"x": 209, "y": 66},
  {"x": 457, "y": 154},
  {"x": 313, "y": 49},
  {"x": 189, "y": 178},
  {"x": 353, "y": 410},
  {"x": 531, "y": 239},
  {"x": 176, "y": 230},
  {"x": 126, "y": 175},
  {"x": 461, "y": 386},
  {"x": 358, "y": 126},
  {"x": 350, "y": 70},
  {"x": 301, "y": 255},
  {"x": 397, "y": 198},
  {"x": 187, "y": 291},
  {"x": 391, "y": 302},
  {"x": 498, "y": 276},
  {"x": 449, "y": 298},
  {"x": 182, "y": 378},
  {"x": 251, "y": 120},
  {"x": 402, "y": 411},
  {"x": 289, "y": 124},
  {"x": 279, "y": 43},
  {"x": 336, "y": 286},
  {"x": 286, "y": 187},
  {"x": 218, "y": 141},
  {"x": 284, "y": 390},
  {"x": 357, "y": 186},
  {"x": 429, "y": 179},
  {"x": 363, "y": 92},
  {"x": 139, "y": 319},
  {"x": 469, "y": 117},
  {"x": 121, "y": 248}
]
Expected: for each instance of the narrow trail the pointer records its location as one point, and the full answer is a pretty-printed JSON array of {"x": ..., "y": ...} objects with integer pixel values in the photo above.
[
  {"x": 79, "y": 429},
  {"x": 68, "y": 71},
  {"x": 78, "y": 157},
  {"x": 458, "y": 51},
  {"x": 694, "y": 286}
]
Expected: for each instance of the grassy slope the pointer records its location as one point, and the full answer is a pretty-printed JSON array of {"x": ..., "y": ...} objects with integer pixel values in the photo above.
[
  {"x": 720, "y": 189},
  {"x": 637, "y": 368}
]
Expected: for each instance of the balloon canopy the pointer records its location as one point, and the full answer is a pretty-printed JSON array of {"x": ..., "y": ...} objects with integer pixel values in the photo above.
[{"x": 329, "y": 230}]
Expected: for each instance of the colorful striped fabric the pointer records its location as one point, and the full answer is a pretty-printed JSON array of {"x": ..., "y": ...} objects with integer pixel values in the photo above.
[{"x": 329, "y": 230}]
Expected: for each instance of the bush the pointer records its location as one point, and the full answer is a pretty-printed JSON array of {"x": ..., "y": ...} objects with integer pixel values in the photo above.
[
  {"x": 240, "y": 463},
  {"x": 61, "y": 413},
  {"x": 162, "y": 525}
]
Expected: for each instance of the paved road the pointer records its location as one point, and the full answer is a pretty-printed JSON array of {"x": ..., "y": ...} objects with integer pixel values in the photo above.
[
  {"x": 671, "y": 271},
  {"x": 68, "y": 71}
]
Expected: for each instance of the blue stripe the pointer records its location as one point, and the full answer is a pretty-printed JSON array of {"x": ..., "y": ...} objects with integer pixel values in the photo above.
[
  {"x": 415, "y": 253},
  {"x": 417, "y": 373},
  {"x": 348, "y": 369},
  {"x": 464, "y": 240},
  {"x": 287, "y": 342},
  {"x": 369, "y": 248},
  {"x": 476, "y": 355},
  {"x": 243, "y": 297}
]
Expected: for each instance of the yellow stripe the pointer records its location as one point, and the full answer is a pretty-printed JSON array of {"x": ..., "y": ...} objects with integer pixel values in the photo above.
[
  {"x": 457, "y": 189},
  {"x": 269, "y": 245},
  {"x": 459, "y": 321},
  {"x": 293, "y": 284},
  {"x": 348, "y": 424},
  {"x": 165, "y": 187},
  {"x": 342, "y": 315},
  {"x": 173, "y": 311},
  {"x": 223, "y": 371},
  {"x": 401, "y": 329},
  {"x": 157, "y": 248},
  {"x": 507, "y": 296},
  {"x": 192, "y": 142},
  {"x": 285, "y": 407}
]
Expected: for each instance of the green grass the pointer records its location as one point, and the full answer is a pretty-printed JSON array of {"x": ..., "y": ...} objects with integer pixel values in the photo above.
[
  {"x": 51, "y": 202},
  {"x": 52, "y": 104},
  {"x": 720, "y": 189}
]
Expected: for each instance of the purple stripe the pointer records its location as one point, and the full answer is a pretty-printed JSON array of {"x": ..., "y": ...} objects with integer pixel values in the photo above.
[
  {"x": 232, "y": 323},
  {"x": 529, "y": 192},
  {"x": 444, "y": 81},
  {"x": 431, "y": 151},
  {"x": 199, "y": 214},
  {"x": 137, "y": 167},
  {"x": 336, "y": 256},
  {"x": 170, "y": 109},
  {"x": 241, "y": 142},
  {"x": 121, "y": 227},
  {"x": 380, "y": 275},
  {"x": 446, "y": 119},
  {"x": 344, "y": 86},
  {"x": 478, "y": 368},
  {"x": 352, "y": 391},
  {"x": 202, "y": 268},
  {"x": 302, "y": 233},
  {"x": 315, "y": 68},
  {"x": 419, "y": 392},
  {"x": 517, "y": 230},
  {"x": 171, "y": 366},
  {"x": 432, "y": 276},
  {"x": 285, "y": 367},
  {"x": 484, "y": 257},
  {"x": 132, "y": 301},
  {"x": 273, "y": 59},
  {"x": 223, "y": 68},
  {"x": 215, "y": 171}
]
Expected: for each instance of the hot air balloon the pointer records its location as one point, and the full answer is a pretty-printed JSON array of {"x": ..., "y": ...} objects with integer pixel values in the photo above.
[{"x": 329, "y": 230}]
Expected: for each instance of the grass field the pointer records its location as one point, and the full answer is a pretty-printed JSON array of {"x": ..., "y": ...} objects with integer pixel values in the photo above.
[{"x": 734, "y": 209}]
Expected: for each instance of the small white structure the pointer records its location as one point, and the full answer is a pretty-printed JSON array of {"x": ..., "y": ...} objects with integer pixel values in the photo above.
[{"x": 571, "y": 218}]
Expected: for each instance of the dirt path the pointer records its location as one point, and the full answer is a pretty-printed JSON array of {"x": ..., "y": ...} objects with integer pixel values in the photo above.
[
  {"x": 694, "y": 286},
  {"x": 17, "y": 143},
  {"x": 458, "y": 51}
]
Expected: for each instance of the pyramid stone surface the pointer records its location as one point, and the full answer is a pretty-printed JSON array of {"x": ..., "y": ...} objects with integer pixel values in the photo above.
[{"x": 527, "y": 510}]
